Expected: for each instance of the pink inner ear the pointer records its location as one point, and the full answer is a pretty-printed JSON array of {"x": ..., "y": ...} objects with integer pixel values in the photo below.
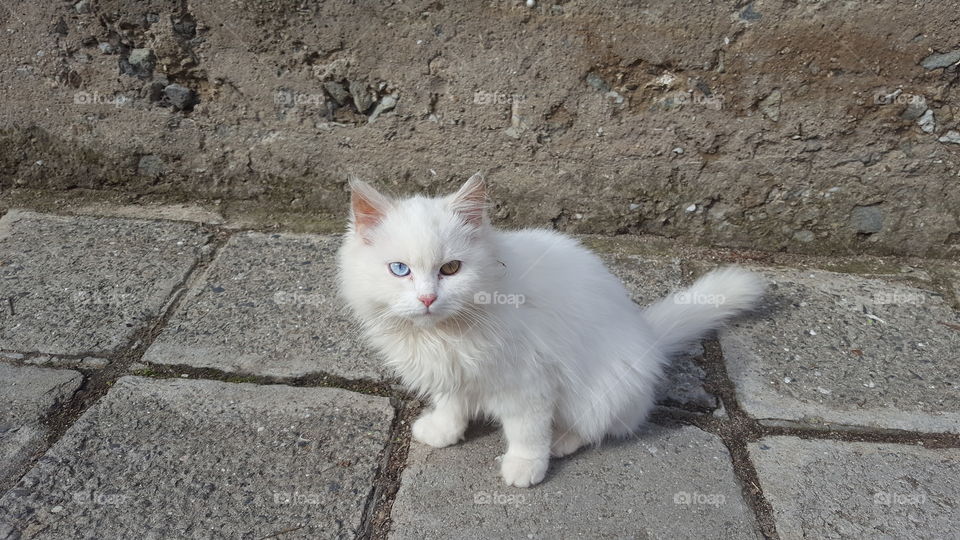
[
  {"x": 366, "y": 215},
  {"x": 472, "y": 212},
  {"x": 471, "y": 201}
]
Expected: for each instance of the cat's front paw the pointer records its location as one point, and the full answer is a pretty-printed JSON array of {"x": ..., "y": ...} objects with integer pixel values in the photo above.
[
  {"x": 432, "y": 430},
  {"x": 521, "y": 472}
]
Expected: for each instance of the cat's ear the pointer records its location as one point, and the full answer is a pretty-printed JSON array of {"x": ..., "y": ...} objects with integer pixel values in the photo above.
[
  {"x": 471, "y": 200},
  {"x": 367, "y": 207}
]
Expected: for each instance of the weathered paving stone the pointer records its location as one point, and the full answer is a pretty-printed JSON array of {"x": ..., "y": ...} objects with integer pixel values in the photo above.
[
  {"x": 835, "y": 489},
  {"x": 206, "y": 459},
  {"x": 829, "y": 348},
  {"x": 72, "y": 285},
  {"x": 268, "y": 306},
  {"x": 649, "y": 280},
  {"x": 27, "y": 394},
  {"x": 669, "y": 482}
]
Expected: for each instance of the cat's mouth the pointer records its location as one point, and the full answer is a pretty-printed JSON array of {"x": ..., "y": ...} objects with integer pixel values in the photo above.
[
  {"x": 425, "y": 319},
  {"x": 427, "y": 316}
]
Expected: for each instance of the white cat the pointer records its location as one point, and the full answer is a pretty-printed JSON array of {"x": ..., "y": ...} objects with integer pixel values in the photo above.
[{"x": 527, "y": 327}]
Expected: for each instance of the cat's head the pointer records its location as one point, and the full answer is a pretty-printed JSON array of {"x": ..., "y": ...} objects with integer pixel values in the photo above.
[{"x": 418, "y": 260}]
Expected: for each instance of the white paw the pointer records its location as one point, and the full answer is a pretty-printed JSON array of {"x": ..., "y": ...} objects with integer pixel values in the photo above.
[
  {"x": 431, "y": 430},
  {"x": 520, "y": 472}
]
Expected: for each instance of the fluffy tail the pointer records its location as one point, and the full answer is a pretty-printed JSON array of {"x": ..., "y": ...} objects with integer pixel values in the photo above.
[{"x": 687, "y": 315}]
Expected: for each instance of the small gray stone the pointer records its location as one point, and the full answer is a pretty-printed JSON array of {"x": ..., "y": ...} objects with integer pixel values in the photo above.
[
  {"x": 181, "y": 97},
  {"x": 106, "y": 48},
  {"x": 361, "y": 96},
  {"x": 804, "y": 236},
  {"x": 150, "y": 165},
  {"x": 836, "y": 489},
  {"x": 91, "y": 362},
  {"x": 139, "y": 63},
  {"x": 387, "y": 103},
  {"x": 846, "y": 351},
  {"x": 915, "y": 108},
  {"x": 616, "y": 97},
  {"x": 85, "y": 284},
  {"x": 140, "y": 57},
  {"x": 337, "y": 91},
  {"x": 83, "y": 6},
  {"x": 672, "y": 482},
  {"x": 597, "y": 82},
  {"x": 950, "y": 137},
  {"x": 137, "y": 366},
  {"x": 770, "y": 105},
  {"x": 927, "y": 122},
  {"x": 867, "y": 219},
  {"x": 153, "y": 90},
  {"x": 268, "y": 306},
  {"x": 184, "y": 458},
  {"x": 941, "y": 60},
  {"x": 748, "y": 13},
  {"x": 59, "y": 28},
  {"x": 29, "y": 393}
]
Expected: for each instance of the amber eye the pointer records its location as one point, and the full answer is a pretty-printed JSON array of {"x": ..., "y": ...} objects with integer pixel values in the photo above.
[{"x": 450, "y": 268}]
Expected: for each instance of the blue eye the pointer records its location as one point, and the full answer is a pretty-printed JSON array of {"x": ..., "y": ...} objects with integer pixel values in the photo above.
[{"x": 399, "y": 269}]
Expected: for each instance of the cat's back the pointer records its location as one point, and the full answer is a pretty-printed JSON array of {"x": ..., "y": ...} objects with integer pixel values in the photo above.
[
  {"x": 544, "y": 261},
  {"x": 536, "y": 249}
]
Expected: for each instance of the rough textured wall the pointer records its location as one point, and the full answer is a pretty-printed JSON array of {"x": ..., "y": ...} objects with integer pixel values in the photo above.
[{"x": 826, "y": 127}]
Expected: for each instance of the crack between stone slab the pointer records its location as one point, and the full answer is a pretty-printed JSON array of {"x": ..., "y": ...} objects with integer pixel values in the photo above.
[
  {"x": 846, "y": 433},
  {"x": 377, "y": 514},
  {"x": 316, "y": 379},
  {"x": 97, "y": 382},
  {"x": 735, "y": 431}
]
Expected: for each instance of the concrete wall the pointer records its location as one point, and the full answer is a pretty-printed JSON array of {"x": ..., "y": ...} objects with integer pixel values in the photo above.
[{"x": 819, "y": 127}]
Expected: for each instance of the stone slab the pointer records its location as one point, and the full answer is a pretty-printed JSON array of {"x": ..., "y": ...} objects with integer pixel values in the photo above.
[
  {"x": 669, "y": 482},
  {"x": 206, "y": 459},
  {"x": 268, "y": 306},
  {"x": 829, "y": 348},
  {"x": 836, "y": 489},
  {"x": 649, "y": 280},
  {"x": 27, "y": 394},
  {"x": 85, "y": 284}
]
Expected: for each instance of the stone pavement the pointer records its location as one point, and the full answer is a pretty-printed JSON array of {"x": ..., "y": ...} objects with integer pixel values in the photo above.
[{"x": 174, "y": 379}]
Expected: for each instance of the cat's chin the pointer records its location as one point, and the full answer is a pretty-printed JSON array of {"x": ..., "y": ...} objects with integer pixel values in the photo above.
[
  {"x": 421, "y": 319},
  {"x": 426, "y": 320}
]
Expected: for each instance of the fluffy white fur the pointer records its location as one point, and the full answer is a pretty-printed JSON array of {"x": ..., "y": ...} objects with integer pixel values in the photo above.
[{"x": 576, "y": 361}]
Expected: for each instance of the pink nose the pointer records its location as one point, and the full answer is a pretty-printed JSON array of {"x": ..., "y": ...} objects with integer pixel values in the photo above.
[{"x": 427, "y": 299}]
